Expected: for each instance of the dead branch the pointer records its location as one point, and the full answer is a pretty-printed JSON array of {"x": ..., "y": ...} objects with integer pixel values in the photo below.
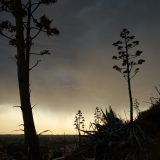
[{"x": 36, "y": 64}]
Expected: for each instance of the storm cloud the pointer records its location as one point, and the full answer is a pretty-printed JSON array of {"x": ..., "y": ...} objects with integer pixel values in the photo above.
[{"x": 79, "y": 72}]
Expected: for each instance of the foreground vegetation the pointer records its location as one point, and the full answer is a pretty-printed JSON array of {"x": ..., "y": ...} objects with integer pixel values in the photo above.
[{"x": 113, "y": 138}]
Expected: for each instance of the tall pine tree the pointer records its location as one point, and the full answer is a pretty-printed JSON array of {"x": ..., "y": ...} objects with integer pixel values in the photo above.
[{"x": 21, "y": 33}]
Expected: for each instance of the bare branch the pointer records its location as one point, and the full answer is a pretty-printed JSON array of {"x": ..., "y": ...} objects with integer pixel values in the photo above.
[
  {"x": 44, "y": 52},
  {"x": 36, "y": 6},
  {"x": 34, "y": 19},
  {"x": 18, "y": 130},
  {"x": 17, "y": 106},
  {"x": 37, "y": 54},
  {"x": 45, "y": 132},
  {"x": 156, "y": 88},
  {"x": 4, "y": 35},
  {"x": 39, "y": 31},
  {"x": 36, "y": 64},
  {"x": 40, "y": 28},
  {"x": 34, "y": 106}
]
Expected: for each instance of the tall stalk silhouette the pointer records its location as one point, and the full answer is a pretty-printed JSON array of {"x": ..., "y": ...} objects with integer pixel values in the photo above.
[
  {"x": 130, "y": 61},
  {"x": 79, "y": 124}
]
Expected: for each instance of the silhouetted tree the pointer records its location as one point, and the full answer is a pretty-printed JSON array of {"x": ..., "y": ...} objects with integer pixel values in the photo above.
[
  {"x": 23, "y": 26},
  {"x": 130, "y": 60},
  {"x": 79, "y": 123}
]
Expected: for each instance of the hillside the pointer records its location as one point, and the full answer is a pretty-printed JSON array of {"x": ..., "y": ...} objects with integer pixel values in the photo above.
[{"x": 149, "y": 120}]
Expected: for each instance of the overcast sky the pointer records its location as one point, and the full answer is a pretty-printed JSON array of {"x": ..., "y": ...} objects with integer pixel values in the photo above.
[{"x": 79, "y": 74}]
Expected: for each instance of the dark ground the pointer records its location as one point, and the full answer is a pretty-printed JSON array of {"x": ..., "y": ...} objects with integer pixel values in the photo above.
[{"x": 12, "y": 146}]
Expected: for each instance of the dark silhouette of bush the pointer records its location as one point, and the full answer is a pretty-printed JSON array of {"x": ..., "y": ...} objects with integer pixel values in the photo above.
[
  {"x": 115, "y": 139},
  {"x": 149, "y": 120}
]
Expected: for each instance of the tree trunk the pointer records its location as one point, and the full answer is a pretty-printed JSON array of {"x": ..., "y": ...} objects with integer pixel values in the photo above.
[
  {"x": 131, "y": 100},
  {"x": 130, "y": 92},
  {"x": 31, "y": 138},
  {"x": 129, "y": 83},
  {"x": 79, "y": 135}
]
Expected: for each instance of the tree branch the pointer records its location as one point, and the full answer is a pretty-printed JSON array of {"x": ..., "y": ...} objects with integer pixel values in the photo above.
[
  {"x": 36, "y": 7},
  {"x": 18, "y": 130},
  {"x": 39, "y": 31},
  {"x": 44, "y": 52},
  {"x": 36, "y": 64},
  {"x": 45, "y": 132},
  {"x": 4, "y": 35},
  {"x": 34, "y": 106},
  {"x": 158, "y": 91},
  {"x": 17, "y": 106},
  {"x": 134, "y": 75}
]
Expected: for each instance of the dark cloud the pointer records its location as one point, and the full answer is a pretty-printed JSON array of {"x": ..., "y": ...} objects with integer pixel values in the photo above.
[{"x": 79, "y": 72}]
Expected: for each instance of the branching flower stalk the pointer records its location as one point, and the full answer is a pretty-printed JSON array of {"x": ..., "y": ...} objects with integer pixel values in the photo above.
[
  {"x": 79, "y": 124},
  {"x": 129, "y": 61},
  {"x": 97, "y": 116}
]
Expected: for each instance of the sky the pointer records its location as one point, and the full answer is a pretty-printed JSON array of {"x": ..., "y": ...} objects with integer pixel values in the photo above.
[{"x": 79, "y": 74}]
